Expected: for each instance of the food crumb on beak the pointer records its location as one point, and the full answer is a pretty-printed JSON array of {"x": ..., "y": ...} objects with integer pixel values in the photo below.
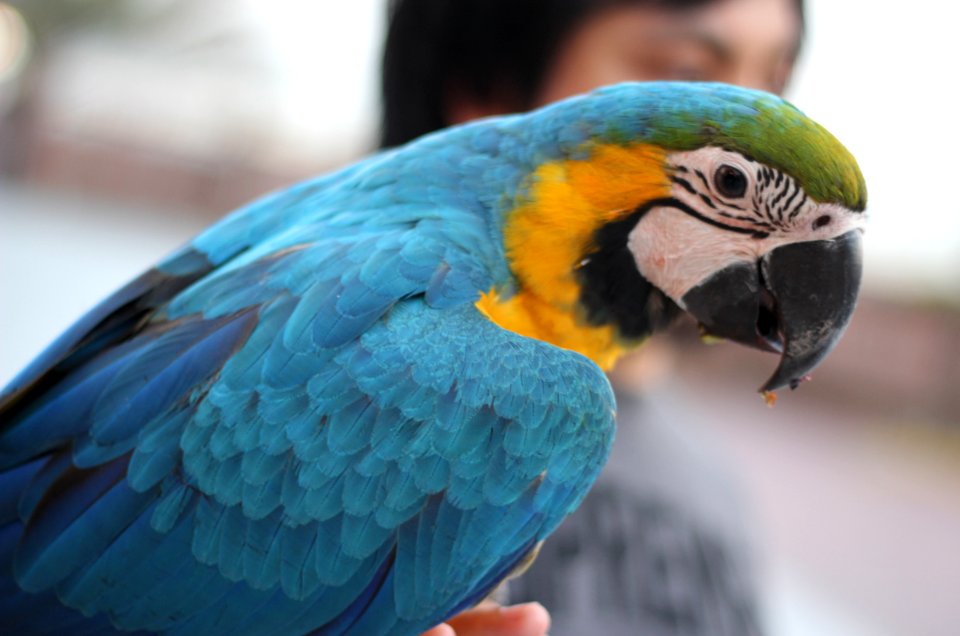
[{"x": 769, "y": 398}]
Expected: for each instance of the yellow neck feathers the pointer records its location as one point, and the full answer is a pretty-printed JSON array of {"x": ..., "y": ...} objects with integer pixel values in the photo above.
[{"x": 551, "y": 232}]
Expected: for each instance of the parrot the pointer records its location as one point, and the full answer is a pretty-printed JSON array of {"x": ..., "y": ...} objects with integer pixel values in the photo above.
[{"x": 360, "y": 403}]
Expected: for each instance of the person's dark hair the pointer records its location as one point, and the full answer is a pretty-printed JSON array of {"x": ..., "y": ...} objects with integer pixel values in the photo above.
[{"x": 493, "y": 49}]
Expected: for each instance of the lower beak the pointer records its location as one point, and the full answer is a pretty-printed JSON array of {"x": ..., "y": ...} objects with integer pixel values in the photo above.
[{"x": 797, "y": 300}]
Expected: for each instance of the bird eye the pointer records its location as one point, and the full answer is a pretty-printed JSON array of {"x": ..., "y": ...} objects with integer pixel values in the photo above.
[
  {"x": 730, "y": 182},
  {"x": 821, "y": 221}
]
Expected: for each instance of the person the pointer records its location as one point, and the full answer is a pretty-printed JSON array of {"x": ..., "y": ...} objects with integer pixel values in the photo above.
[
  {"x": 448, "y": 62},
  {"x": 658, "y": 546}
]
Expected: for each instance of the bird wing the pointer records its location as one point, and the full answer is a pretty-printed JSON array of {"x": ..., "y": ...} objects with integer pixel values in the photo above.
[{"x": 316, "y": 429}]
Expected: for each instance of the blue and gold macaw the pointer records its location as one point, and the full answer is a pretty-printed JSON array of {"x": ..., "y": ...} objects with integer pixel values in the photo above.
[{"x": 356, "y": 405}]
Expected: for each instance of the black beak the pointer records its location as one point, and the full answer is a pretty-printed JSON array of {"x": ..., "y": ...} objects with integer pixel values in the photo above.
[{"x": 796, "y": 301}]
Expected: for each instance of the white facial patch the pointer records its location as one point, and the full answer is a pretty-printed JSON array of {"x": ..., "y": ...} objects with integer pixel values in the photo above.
[{"x": 726, "y": 209}]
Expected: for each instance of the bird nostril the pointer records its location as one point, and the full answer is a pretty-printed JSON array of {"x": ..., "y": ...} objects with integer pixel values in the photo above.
[{"x": 821, "y": 221}]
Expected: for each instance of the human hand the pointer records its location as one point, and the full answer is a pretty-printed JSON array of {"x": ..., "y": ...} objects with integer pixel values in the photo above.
[{"x": 490, "y": 619}]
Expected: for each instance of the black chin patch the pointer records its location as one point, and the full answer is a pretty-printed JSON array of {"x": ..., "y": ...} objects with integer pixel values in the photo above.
[{"x": 612, "y": 290}]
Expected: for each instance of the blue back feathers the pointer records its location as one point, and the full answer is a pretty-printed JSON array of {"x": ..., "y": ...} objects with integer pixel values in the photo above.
[{"x": 300, "y": 421}]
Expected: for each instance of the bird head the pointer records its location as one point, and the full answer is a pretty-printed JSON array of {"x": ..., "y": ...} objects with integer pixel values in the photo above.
[{"x": 723, "y": 202}]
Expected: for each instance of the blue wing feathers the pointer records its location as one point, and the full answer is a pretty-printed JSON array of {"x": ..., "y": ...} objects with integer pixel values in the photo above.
[
  {"x": 375, "y": 583},
  {"x": 172, "y": 371},
  {"x": 115, "y": 400},
  {"x": 47, "y": 428},
  {"x": 158, "y": 453},
  {"x": 13, "y": 483},
  {"x": 361, "y": 535},
  {"x": 349, "y": 429},
  {"x": 432, "y": 474},
  {"x": 260, "y": 500},
  {"x": 106, "y": 324},
  {"x": 297, "y": 544},
  {"x": 326, "y": 501},
  {"x": 261, "y": 551},
  {"x": 300, "y": 421},
  {"x": 91, "y": 509},
  {"x": 169, "y": 510},
  {"x": 259, "y": 467},
  {"x": 334, "y": 566},
  {"x": 447, "y": 521},
  {"x": 97, "y": 586}
]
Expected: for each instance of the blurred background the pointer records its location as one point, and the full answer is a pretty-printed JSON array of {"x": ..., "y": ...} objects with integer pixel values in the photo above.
[{"x": 128, "y": 125}]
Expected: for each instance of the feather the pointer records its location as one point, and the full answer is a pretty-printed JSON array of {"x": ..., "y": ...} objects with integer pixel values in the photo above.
[{"x": 92, "y": 508}]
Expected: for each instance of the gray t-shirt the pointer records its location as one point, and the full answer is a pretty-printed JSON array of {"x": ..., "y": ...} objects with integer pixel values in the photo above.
[{"x": 660, "y": 545}]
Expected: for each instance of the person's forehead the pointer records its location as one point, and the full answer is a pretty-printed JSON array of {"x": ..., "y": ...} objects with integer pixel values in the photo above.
[
  {"x": 755, "y": 20},
  {"x": 730, "y": 23}
]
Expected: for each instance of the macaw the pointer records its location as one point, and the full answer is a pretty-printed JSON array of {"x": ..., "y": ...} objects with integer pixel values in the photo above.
[{"x": 356, "y": 405}]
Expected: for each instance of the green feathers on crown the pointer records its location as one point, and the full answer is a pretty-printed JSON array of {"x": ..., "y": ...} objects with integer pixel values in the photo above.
[{"x": 685, "y": 116}]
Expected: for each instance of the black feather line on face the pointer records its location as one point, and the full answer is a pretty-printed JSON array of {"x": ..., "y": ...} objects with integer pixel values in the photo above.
[
  {"x": 796, "y": 210},
  {"x": 612, "y": 290},
  {"x": 796, "y": 191},
  {"x": 686, "y": 209}
]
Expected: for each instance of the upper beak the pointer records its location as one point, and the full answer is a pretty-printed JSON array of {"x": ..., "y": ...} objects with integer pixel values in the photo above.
[{"x": 796, "y": 300}]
